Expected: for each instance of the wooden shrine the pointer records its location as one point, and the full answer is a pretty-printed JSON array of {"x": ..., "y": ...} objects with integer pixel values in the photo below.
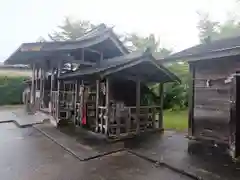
[{"x": 95, "y": 83}]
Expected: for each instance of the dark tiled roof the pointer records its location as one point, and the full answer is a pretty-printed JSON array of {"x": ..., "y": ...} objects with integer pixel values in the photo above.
[
  {"x": 213, "y": 46},
  {"x": 107, "y": 64},
  {"x": 140, "y": 62},
  {"x": 41, "y": 49}
]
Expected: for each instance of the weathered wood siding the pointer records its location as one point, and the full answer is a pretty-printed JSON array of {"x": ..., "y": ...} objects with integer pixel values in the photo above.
[{"x": 212, "y": 98}]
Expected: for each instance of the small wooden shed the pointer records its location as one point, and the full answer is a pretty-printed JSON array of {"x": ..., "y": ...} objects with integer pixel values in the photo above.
[{"x": 214, "y": 99}]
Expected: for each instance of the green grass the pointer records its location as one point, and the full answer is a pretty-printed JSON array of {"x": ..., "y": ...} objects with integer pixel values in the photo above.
[{"x": 176, "y": 120}]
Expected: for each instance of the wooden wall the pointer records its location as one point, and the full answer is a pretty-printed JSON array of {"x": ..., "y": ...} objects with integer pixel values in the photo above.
[{"x": 211, "y": 106}]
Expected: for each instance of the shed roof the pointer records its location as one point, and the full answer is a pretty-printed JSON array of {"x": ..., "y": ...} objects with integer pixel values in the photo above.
[
  {"x": 29, "y": 52},
  {"x": 211, "y": 50},
  {"x": 139, "y": 64}
]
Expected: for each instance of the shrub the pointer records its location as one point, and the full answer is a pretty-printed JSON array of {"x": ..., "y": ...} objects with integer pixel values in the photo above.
[{"x": 11, "y": 89}]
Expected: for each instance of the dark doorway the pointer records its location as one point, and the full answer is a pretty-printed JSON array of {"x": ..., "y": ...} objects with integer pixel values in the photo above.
[
  {"x": 234, "y": 142},
  {"x": 237, "y": 153}
]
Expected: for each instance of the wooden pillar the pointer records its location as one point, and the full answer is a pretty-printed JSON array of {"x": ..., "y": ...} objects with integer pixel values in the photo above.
[
  {"x": 160, "y": 118},
  {"x": 51, "y": 88},
  {"x": 97, "y": 104},
  {"x": 58, "y": 91},
  {"x": 83, "y": 55},
  {"x": 81, "y": 101},
  {"x": 138, "y": 101},
  {"x": 191, "y": 100},
  {"x": 41, "y": 82},
  {"x": 33, "y": 86},
  {"x": 107, "y": 106},
  {"x": 77, "y": 89}
]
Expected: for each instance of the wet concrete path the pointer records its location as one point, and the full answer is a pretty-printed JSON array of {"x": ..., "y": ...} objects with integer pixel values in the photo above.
[
  {"x": 27, "y": 154},
  {"x": 203, "y": 160},
  {"x": 40, "y": 151}
]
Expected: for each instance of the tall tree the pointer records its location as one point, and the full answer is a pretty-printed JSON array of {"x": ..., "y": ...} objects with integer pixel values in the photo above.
[
  {"x": 213, "y": 30},
  {"x": 207, "y": 28},
  {"x": 70, "y": 30},
  {"x": 135, "y": 42}
]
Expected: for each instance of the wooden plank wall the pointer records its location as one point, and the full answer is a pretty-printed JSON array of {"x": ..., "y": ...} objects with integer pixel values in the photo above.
[{"x": 212, "y": 98}]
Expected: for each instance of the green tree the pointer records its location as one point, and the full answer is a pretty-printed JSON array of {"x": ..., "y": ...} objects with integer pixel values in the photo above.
[
  {"x": 213, "y": 30},
  {"x": 135, "y": 42},
  {"x": 176, "y": 95},
  {"x": 207, "y": 28},
  {"x": 71, "y": 30}
]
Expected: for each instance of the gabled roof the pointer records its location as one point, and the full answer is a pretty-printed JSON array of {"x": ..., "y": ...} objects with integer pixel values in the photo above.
[
  {"x": 210, "y": 50},
  {"x": 30, "y": 51},
  {"x": 136, "y": 64}
]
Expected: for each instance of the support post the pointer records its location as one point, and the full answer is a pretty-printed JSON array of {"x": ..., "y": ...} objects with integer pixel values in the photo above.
[
  {"x": 81, "y": 101},
  {"x": 138, "y": 98},
  {"x": 33, "y": 86},
  {"x": 41, "y": 86},
  {"x": 77, "y": 89},
  {"x": 51, "y": 92},
  {"x": 191, "y": 100},
  {"x": 107, "y": 107},
  {"x": 83, "y": 55},
  {"x": 97, "y": 104},
  {"x": 58, "y": 91},
  {"x": 160, "y": 117}
]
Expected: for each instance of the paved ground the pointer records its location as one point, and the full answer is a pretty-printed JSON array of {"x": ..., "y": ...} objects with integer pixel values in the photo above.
[
  {"x": 17, "y": 115},
  {"x": 43, "y": 152},
  {"x": 28, "y": 154},
  {"x": 203, "y": 160}
]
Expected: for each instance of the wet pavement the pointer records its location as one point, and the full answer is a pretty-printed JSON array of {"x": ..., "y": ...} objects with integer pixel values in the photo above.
[
  {"x": 27, "y": 154},
  {"x": 203, "y": 160},
  {"x": 79, "y": 143},
  {"x": 43, "y": 152},
  {"x": 19, "y": 116}
]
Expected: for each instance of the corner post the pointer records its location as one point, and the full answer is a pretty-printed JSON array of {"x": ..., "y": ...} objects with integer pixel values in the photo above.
[
  {"x": 138, "y": 101},
  {"x": 97, "y": 104},
  {"x": 160, "y": 118},
  {"x": 191, "y": 100}
]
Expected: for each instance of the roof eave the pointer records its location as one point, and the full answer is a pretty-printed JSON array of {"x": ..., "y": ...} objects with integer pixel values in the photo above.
[{"x": 197, "y": 57}]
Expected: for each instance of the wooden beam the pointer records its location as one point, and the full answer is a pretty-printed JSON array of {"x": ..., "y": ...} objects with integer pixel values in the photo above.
[
  {"x": 81, "y": 62},
  {"x": 120, "y": 47},
  {"x": 128, "y": 65},
  {"x": 92, "y": 50},
  {"x": 191, "y": 100},
  {"x": 138, "y": 103}
]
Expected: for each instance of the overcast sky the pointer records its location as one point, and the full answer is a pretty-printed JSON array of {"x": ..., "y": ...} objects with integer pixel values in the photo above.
[{"x": 174, "y": 21}]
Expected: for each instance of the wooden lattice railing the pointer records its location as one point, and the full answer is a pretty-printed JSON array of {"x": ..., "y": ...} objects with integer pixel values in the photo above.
[
  {"x": 55, "y": 104},
  {"x": 123, "y": 121}
]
